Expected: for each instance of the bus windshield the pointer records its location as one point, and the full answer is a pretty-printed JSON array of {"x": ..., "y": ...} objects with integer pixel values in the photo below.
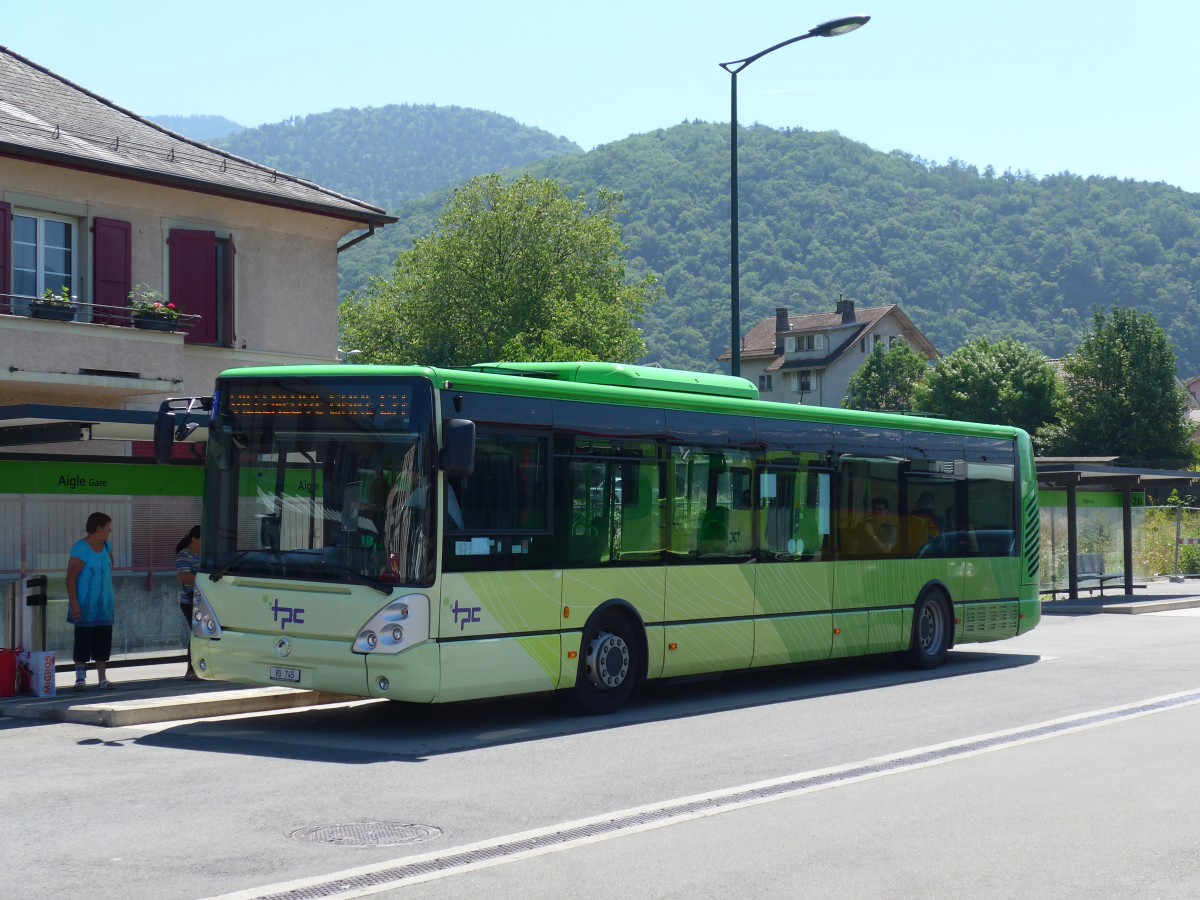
[{"x": 321, "y": 479}]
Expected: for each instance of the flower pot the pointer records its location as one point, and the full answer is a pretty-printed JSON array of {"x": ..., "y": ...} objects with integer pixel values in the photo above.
[
  {"x": 58, "y": 313},
  {"x": 156, "y": 323}
]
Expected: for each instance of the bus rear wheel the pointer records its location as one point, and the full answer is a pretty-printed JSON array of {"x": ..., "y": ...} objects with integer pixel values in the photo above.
[
  {"x": 931, "y": 632},
  {"x": 609, "y": 664}
]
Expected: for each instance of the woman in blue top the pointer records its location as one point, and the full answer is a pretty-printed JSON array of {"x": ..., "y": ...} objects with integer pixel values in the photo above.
[
  {"x": 90, "y": 599},
  {"x": 187, "y": 561}
]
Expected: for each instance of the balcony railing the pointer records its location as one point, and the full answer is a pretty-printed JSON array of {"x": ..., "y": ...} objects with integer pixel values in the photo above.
[{"x": 91, "y": 313}]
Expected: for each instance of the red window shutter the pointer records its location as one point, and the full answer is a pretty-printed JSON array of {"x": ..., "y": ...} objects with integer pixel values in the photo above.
[
  {"x": 5, "y": 256},
  {"x": 227, "y": 335},
  {"x": 193, "y": 287},
  {"x": 112, "y": 277}
]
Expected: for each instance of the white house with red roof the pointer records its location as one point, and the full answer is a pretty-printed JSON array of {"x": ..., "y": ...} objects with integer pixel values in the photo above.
[{"x": 809, "y": 358}]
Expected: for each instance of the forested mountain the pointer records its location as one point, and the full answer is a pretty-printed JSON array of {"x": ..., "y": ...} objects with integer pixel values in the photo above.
[
  {"x": 199, "y": 128},
  {"x": 965, "y": 253},
  {"x": 390, "y": 154}
]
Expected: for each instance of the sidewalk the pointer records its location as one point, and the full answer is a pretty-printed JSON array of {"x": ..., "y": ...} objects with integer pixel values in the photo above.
[
  {"x": 155, "y": 693},
  {"x": 1155, "y": 596}
]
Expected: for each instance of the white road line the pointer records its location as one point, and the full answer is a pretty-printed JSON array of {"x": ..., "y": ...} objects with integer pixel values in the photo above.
[{"x": 406, "y": 870}]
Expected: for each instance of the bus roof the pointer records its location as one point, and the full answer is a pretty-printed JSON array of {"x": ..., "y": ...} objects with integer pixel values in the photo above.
[{"x": 599, "y": 382}]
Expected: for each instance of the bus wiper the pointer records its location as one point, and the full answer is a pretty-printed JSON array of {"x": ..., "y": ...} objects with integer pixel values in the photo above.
[
  {"x": 233, "y": 561},
  {"x": 359, "y": 578}
]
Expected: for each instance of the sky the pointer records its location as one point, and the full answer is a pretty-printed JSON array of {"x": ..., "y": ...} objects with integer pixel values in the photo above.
[{"x": 1093, "y": 88}]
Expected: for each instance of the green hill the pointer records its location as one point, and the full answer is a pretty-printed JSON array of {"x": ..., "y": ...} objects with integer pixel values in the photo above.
[
  {"x": 964, "y": 253},
  {"x": 390, "y": 154}
]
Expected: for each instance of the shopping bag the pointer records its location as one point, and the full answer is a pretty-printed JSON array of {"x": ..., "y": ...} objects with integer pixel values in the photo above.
[
  {"x": 40, "y": 667},
  {"x": 8, "y": 672},
  {"x": 24, "y": 676}
]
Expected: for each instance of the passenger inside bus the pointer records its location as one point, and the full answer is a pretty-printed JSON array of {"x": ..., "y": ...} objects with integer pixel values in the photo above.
[
  {"x": 877, "y": 532},
  {"x": 924, "y": 509},
  {"x": 923, "y": 524}
]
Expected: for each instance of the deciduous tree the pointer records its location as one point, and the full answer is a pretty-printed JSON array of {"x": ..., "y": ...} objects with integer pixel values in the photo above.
[
  {"x": 516, "y": 272},
  {"x": 887, "y": 380},
  {"x": 1122, "y": 396},
  {"x": 1006, "y": 383}
]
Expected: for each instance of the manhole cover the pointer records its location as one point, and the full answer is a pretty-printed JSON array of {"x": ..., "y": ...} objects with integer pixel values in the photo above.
[{"x": 366, "y": 834}]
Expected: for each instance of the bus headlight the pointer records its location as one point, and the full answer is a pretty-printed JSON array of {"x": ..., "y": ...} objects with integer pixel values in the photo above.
[
  {"x": 204, "y": 620},
  {"x": 384, "y": 633}
]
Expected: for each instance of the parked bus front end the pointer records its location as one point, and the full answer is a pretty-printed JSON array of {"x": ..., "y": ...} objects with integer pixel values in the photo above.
[{"x": 317, "y": 543}]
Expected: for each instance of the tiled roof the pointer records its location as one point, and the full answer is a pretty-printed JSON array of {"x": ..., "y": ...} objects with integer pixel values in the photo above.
[
  {"x": 46, "y": 117},
  {"x": 759, "y": 342}
]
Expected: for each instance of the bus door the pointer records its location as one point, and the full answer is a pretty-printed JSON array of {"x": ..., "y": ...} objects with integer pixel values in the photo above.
[
  {"x": 710, "y": 582},
  {"x": 609, "y": 524},
  {"x": 793, "y": 580},
  {"x": 871, "y": 592}
]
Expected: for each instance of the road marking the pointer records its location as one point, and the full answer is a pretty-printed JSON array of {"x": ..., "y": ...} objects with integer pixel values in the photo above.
[{"x": 364, "y": 880}]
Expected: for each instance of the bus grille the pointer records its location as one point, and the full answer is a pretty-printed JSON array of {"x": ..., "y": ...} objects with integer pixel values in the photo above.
[{"x": 990, "y": 618}]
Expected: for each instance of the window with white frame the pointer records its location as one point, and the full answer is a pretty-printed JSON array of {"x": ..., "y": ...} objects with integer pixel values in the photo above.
[
  {"x": 44, "y": 253},
  {"x": 804, "y": 380},
  {"x": 764, "y": 382}
]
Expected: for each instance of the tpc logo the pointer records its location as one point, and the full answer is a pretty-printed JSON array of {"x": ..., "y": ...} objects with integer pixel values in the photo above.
[
  {"x": 291, "y": 615},
  {"x": 463, "y": 615}
]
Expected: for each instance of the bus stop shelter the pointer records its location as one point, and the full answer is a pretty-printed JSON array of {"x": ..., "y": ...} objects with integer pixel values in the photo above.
[{"x": 1099, "y": 474}]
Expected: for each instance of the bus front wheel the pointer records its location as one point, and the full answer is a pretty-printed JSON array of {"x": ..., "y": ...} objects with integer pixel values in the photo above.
[
  {"x": 608, "y": 665},
  {"x": 931, "y": 632}
]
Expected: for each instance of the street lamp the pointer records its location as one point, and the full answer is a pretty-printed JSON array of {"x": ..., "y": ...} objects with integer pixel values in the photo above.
[{"x": 827, "y": 29}]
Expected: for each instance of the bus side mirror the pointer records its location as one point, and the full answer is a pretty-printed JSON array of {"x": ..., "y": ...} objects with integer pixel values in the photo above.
[
  {"x": 458, "y": 447},
  {"x": 171, "y": 424},
  {"x": 164, "y": 433}
]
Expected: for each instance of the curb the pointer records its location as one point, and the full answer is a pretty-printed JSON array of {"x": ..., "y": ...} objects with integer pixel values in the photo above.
[{"x": 146, "y": 710}]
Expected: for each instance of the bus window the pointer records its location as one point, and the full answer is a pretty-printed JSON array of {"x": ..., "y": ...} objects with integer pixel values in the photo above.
[
  {"x": 869, "y": 508},
  {"x": 498, "y": 512},
  {"x": 712, "y": 516},
  {"x": 608, "y": 498},
  {"x": 990, "y": 506},
  {"x": 794, "y": 515}
]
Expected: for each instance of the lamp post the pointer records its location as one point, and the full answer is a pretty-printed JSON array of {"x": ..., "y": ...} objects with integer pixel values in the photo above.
[{"x": 827, "y": 29}]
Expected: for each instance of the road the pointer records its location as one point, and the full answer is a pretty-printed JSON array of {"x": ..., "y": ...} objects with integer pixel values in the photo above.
[{"x": 1059, "y": 764}]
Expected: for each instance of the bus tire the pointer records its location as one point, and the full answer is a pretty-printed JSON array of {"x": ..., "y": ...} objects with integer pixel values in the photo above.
[
  {"x": 609, "y": 665},
  {"x": 930, "y": 631}
]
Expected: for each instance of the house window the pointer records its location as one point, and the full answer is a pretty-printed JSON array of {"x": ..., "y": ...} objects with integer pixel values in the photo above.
[
  {"x": 764, "y": 382},
  {"x": 789, "y": 345},
  {"x": 804, "y": 380},
  {"x": 862, "y": 346},
  {"x": 806, "y": 342},
  {"x": 876, "y": 340},
  {"x": 43, "y": 254}
]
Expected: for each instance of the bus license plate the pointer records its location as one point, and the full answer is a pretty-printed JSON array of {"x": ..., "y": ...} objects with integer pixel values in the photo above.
[{"x": 279, "y": 673}]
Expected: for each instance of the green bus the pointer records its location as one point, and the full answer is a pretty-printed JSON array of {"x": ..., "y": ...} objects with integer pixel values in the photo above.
[{"x": 435, "y": 535}]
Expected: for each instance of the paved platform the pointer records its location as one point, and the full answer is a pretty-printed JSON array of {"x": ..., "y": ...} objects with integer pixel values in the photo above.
[
  {"x": 155, "y": 693},
  {"x": 158, "y": 692},
  {"x": 1151, "y": 597}
]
